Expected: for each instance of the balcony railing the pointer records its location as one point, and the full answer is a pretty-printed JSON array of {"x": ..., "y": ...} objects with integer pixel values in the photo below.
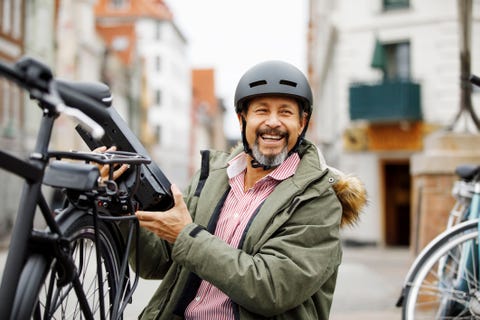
[{"x": 393, "y": 100}]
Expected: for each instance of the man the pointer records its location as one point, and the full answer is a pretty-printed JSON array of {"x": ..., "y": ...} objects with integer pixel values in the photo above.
[{"x": 256, "y": 234}]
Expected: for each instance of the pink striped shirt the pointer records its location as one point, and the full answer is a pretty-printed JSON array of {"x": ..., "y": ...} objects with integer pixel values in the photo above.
[{"x": 211, "y": 303}]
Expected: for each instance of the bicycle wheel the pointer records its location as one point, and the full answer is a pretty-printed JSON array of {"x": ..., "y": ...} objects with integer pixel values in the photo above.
[
  {"x": 446, "y": 284},
  {"x": 41, "y": 293}
]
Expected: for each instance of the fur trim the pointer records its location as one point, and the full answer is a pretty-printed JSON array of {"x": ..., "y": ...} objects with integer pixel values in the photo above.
[{"x": 353, "y": 196}]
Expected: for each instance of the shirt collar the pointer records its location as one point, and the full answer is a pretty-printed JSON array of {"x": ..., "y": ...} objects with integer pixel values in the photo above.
[{"x": 285, "y": 170}]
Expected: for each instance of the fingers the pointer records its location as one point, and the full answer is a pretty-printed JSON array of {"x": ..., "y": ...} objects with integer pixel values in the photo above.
[
  {"x": 103, "y": 149},
  {"x": 100, "y": 149},
  {"x": 177, "y": 194},
  {"x": 117, "y": 173},
  {"x": 105, "y": 169},
  {"x": 144, "y": 216},
  {"x": 102, "y": 168}
]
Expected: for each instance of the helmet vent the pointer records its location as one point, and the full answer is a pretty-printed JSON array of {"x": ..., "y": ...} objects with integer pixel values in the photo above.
[
  {"x": 257, "y": 83},
  {"x": 288, "y": 83}
]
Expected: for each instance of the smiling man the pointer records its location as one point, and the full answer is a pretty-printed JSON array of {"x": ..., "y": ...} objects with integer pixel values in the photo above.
[
  {"x": 276, "y": 123},
  {"x": 256, "y": 235}
]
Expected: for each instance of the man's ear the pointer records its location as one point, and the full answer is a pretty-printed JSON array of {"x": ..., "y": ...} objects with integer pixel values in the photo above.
[
  {"x": 239, "y": 117},
  {"x": 304, "y": 121}
]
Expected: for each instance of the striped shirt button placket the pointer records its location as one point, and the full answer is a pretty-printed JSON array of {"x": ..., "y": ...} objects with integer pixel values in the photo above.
[{"x": 210, "y": 302}]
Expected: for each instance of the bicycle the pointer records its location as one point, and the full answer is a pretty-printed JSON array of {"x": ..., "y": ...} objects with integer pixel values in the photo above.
[
  {"x": 462, "y": 192},
  {"x": 443, "y": 282},
  {"x": 77, "y": 267}
]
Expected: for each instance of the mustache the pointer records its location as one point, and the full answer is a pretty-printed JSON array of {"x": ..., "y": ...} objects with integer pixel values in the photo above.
[{"x": 272, "y": 132}]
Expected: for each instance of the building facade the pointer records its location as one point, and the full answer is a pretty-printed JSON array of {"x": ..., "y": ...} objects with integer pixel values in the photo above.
[
  {"x": 207, "y": 115},
  {"x": 144, "y": 64},
  {"x": 147, "y": 29},
  {"x": 386, "y": 75},
  {"x": 27, "y": 28}
]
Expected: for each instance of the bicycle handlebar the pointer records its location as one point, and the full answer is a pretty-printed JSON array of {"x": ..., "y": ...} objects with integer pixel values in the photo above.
[
  {"x": 475, "y": 80},
  {"x": 90, "y": 103},
  {"x": 38, "y": 80}
]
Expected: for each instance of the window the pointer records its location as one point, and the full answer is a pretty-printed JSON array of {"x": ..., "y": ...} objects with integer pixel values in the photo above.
[
  {"x": 158, "y": 97},
  {"x": 397, "y": 64},
  {"x": 120, "y": 43},
  {"x": 118, "y": 4},
  {"x": 158, "y": 63},
  {"x": 158, "y": 133},
  {"x": 158, "y": 31},
  {"x": 395, "y": 4}
]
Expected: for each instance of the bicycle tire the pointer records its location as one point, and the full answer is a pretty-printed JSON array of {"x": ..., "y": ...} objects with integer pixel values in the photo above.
[
  {"x": 426, "y": 252},
  {"x": 39, "y": 286},
  {"x": 441, "y": 289}
]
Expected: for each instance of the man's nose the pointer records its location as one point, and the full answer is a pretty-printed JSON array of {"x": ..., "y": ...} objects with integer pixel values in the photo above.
[{"x": 273, "y": 120}]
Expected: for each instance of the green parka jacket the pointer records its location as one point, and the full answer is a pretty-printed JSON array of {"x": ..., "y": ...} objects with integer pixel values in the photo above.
[{"x": 285, "y": 266}]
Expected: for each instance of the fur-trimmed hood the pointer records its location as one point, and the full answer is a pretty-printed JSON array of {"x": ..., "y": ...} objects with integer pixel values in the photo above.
[
  {"x": 349, "y": 189},
  {"x": 352, "y": 195}
]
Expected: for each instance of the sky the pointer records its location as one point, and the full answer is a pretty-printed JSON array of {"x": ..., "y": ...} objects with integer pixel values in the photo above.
[{"x": 233, "y": 35}]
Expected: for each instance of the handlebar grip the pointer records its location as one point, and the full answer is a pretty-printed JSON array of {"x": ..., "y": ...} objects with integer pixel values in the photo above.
[
  {"x": 31, "y": 74},
  {"x": 475, "y": 80},
  {"x": 28, "y": 73}
]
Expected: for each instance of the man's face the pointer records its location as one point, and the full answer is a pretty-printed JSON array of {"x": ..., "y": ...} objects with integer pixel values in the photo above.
[{"x": 273, "y": 125}]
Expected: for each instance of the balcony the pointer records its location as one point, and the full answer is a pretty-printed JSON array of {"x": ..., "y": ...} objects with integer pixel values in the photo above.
[{"x": 393, "y": 100}]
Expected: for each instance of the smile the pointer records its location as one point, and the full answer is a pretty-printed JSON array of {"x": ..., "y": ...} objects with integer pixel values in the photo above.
[{"x": 272, "y": 137}]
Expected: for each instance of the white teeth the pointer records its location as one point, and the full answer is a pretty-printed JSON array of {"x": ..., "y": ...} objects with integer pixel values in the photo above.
[{"x": 271, "y": 137}]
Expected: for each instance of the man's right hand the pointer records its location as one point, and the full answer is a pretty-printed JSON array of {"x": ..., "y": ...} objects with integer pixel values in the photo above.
[{"x": 105, "y": 169}]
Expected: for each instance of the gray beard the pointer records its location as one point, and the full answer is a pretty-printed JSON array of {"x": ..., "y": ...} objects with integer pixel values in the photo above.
[{"x": 270, "y": 161}]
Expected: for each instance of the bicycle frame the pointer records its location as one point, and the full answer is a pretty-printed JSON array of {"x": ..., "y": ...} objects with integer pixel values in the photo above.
[
  {"x": 466, "y": 255},
  {"x": 470, "y": 252},
  {"x": 450, "y": 271},
  {"x": 52, "y": 244},
  {"x": 31, "y": 195},
  {"x": 463, "y": 191}
]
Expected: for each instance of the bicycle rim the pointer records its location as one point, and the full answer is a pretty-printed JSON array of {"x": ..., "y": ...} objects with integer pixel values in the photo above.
[
  {"x": 57, "y": 301},
  {"x": 446, "y": 285}
]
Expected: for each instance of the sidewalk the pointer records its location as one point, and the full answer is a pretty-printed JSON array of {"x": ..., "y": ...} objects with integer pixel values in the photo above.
[{"x": 369, "y": 283}]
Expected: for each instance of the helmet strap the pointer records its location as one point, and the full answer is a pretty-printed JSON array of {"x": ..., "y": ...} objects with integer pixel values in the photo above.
[
  {"x": 300, "y": 137},
  {"x": 255, "y": 163}
]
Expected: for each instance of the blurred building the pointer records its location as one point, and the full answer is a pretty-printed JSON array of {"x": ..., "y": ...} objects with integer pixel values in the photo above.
[
  {"x": 385, "y": 75},
  {"x": 207, "y": 114},
  {"x": 27, "y": 28},
  {"x": 78, "y": 56},
  {"x": 133, "y": 46},
  {"x": 13, "y": 36},
  {"x": 146, "y": 28}
]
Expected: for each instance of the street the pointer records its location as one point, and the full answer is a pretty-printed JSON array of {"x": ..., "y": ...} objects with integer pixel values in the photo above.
[{"x": 368, "y": 285}]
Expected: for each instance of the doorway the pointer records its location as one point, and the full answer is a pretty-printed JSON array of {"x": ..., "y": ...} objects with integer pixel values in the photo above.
[{"x": 397, "y": 191}]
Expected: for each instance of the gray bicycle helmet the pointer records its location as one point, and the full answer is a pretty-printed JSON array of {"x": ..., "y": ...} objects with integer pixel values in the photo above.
[{"x": 273, "y": 78}]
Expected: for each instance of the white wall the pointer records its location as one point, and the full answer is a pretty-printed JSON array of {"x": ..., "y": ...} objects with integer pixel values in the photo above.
[
  {"x": 173, "y": 79},
  {"x": 364, "y": 166},
  {"x": 342, "y": 54}
]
